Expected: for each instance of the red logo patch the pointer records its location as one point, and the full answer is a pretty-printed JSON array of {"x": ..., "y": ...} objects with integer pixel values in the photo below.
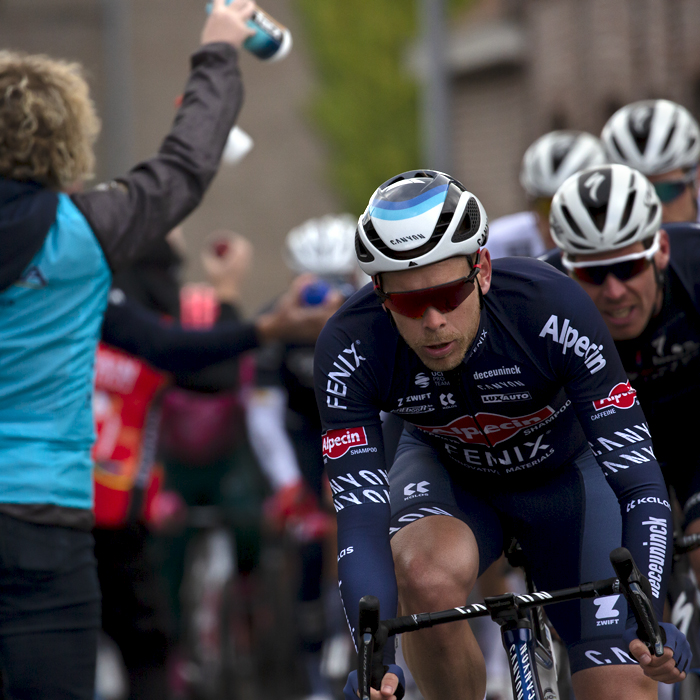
[
  {"x": 487, "y": 428},
  {"x": 337, "y": 442},
  {"x": 622, "y": 395}
]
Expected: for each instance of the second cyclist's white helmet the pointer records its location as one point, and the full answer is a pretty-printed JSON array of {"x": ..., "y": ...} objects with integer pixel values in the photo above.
[
  {"x": 653, "y": 136},
  {"x": 418, "y": 218},
  {"x": 603, "y": 209},
  {"x": 556, "y": 156},
  {"x": 324, "y": 246}
]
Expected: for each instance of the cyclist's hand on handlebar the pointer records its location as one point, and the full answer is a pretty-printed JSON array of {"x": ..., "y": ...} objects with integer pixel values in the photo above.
[
  {"x": 392, "y": 685},
  {"x": 669, "y": 668}
]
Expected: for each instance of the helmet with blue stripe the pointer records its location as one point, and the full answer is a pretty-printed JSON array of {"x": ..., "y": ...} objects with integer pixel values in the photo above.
[{"x": 418, "y": 218}]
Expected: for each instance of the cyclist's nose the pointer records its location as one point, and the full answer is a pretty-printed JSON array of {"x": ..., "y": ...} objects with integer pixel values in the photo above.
[
  {"x": 613, "y": 288},
  {"x": 433, "y": 319}
]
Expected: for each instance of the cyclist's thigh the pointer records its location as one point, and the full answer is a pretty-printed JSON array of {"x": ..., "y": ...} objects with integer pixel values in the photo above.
[
  {"x": 421, "y": 486},
  {"x": 567, "y": 529}
]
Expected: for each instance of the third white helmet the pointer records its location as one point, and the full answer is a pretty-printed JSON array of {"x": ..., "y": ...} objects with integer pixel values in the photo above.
[
  {"x": 556, "y": 156},
  {"x": 323, "y": 246},
  {"x": 653, "y": 136}
]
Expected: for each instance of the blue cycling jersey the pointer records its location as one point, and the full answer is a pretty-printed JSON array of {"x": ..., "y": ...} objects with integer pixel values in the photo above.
[
  {"x": 663, "y": 365},
  {"x": 540, "y": 386}
]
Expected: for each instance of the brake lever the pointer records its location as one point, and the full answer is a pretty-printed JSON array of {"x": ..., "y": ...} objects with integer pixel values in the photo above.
[{"x": 637, "y": 591}]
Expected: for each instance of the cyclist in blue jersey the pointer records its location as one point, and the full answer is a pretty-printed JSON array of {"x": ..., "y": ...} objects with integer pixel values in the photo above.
[
  {"x": 661, "y": 139},
  {"x": 504, "y": 374},
  {"x": 644, "y": 280},
  {"x": 57, "y": 255}
]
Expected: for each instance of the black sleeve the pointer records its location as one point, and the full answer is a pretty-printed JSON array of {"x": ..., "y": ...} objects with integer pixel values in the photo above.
[
  {"x": 166, "y": 345},
  {"x": 222, "y": 376},
  {"x": 131, "y": 212}
]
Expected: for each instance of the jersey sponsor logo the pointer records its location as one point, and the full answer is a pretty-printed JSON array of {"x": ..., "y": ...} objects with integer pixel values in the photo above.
[
  {"x": 569, "y": 338},
  {"x": 598, "y": 658},
  {"x": 414, "y": 398},
  {"x": 506, "y": 398},
  {"x": 606, "y": 613},
  {"x": 657, "y": 540},
  {"x": 648, "y": 499},
  {"x": 407, "y": 518},
  {"x": 364, "y": 486},
  {"x": 496, "y": 386},
  {"x": 447, "y": 400},
  {"x": 488, "y": 428},
  {"x": 425, "y": 408},
  {"x": 346, "y": 364},
  {"x": 622, "y": 395},
  {"x": 682, "y": 613},
  {"x": 345, "y": 552},
  {"x": 422, "y": 380},
  {"x": 499, "y": 372},
  {"x": 439, "y": 379},
  {"x": 413, "y": 490},
  {"x": 336, "y": 443}
]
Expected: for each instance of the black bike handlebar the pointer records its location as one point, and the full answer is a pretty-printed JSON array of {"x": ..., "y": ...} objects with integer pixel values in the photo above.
[{"x": 373, "y": 633}]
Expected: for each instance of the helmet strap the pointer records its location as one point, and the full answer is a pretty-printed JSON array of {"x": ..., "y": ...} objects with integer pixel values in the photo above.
[{"x": 660, "y": 277}]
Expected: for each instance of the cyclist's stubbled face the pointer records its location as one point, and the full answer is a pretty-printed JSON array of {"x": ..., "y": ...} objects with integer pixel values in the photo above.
[
  {"x": 440, "y": 340},
  {"x": 628, "y": 306}
]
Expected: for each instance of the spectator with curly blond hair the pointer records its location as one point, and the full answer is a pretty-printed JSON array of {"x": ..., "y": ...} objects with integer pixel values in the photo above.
[{"x": 57, "y": 255}]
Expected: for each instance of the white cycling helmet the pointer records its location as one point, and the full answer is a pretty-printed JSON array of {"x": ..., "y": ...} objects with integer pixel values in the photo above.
[
  {"x": 323, "y": 246},
  {"x": 418, "y": 218},
  {"x": 653, "y": 136},
  {"x": 602, "y": 209},
  {"x": 556, "y": 156}
]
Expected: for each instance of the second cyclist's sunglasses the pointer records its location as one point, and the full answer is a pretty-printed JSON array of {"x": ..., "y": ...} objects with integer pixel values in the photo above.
[
  {"x": 672, "y": 189},
  {"x": 624, "y": 268},
  {"x": 445, "y": 297}
]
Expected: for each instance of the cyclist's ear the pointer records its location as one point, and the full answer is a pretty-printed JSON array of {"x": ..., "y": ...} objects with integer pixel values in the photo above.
[
  {"x": 484, "y": 276},
  {"x": 663, "y": 255}
]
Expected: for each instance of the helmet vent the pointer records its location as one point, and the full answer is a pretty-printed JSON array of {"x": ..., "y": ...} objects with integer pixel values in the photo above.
[
  {"x": 598, "y": 216},
  {"x": 363, "y": 255},
  {"x": 470, "y": 223},
  {"x": 629, "y": 236},
  {"x": 572, "y": 224},
  {"x": 671, "y": 132},
  {"x": 617, "y": 146},
  {"x": 628, "y": 208},
  {"x": 652, "y": 213}
]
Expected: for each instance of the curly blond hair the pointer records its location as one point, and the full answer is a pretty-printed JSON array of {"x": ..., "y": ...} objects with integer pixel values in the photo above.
[{"x": 48, "y": 123}]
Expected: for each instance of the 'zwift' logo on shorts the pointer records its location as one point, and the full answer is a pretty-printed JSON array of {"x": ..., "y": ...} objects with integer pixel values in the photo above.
[{"x": 337, "y": 442}]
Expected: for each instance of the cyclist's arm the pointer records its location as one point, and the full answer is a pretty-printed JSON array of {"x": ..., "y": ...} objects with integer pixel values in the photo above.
[
  {"x": 132, "y": 211},
  {"x": 347, "y": 391},
  {"x": 266, "y": 411},
  {"x": 616, "y": 429},
  {"x": 165, "y": 344}
]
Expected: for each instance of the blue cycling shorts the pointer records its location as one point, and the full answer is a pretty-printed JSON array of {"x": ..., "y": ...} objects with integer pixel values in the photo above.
[{"x": 567, "y": 524}]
